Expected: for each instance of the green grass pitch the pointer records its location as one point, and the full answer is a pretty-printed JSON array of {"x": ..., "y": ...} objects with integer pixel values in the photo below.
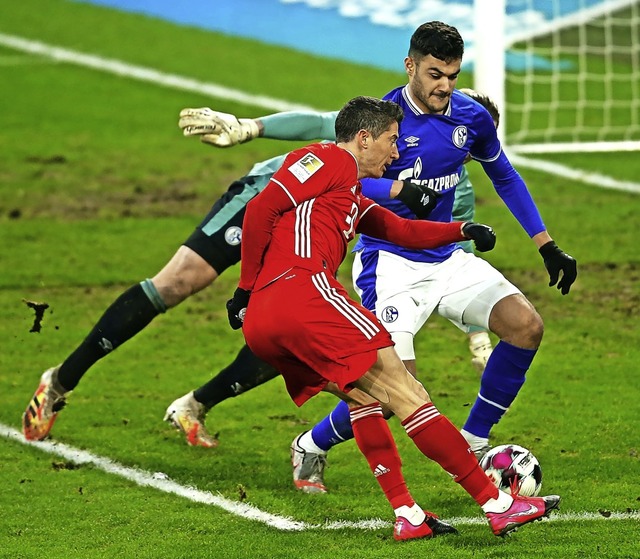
[{"x": 98, "y": 189}]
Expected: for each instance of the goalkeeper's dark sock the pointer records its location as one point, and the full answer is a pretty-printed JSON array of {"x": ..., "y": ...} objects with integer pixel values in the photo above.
[
  {"x": 334, "y": 429},
  {"x": 128, "y": 314},
  {"x": 246, "y": 372},
  {"x": 501, "y": 381}
]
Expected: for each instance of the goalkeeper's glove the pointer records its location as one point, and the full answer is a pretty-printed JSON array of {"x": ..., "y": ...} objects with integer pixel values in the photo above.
[
  {"x": 219, "y": 129},
  {"x": 418, "y": 198},
  {"x": 556, "y": 261},
  {"x": 483, "y": 236},
  {"x": 237, "y": 307}
]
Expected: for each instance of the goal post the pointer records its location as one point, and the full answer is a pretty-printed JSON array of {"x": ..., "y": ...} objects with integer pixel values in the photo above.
[{"x": 565, "y": 73}]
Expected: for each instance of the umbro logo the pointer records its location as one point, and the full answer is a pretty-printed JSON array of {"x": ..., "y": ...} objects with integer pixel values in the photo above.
[
  {"x": 237, "y": 388},
  {"x": 106, "y": 345},
  {"x": 411, "y": 141},
  {"x": 380, "y": 470}
]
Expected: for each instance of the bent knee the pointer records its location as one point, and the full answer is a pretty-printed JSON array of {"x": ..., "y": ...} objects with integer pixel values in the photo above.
[{"x": 516, "y": 321}]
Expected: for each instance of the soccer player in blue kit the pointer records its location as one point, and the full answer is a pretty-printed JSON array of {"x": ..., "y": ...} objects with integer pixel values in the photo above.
[{"x": 404, "y": 287}]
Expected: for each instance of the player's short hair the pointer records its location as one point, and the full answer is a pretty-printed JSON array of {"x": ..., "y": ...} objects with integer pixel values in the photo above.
[
  {"x": 485, "y": 101},
  {"x": 437, "y": 39},
  {"x": 366, "y": 113}
]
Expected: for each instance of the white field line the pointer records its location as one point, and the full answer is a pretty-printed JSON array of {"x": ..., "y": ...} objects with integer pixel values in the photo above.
[
  {"x": 161, "y": 482},
  {"x": 144, "y": 74},
  {"x": 174, "y": 81},
  {"x": 572, "y": 174}
]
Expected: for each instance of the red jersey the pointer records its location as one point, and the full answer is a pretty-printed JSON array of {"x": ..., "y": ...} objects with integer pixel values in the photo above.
[
  {"x": 321, "y": 189},
  {"x": 311, "y": 209},
  {"x": 296, "y": 231}
]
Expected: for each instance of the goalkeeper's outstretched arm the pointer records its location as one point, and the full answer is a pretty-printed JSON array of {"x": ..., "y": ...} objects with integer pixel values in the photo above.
[{"x": 226, "y": 130}]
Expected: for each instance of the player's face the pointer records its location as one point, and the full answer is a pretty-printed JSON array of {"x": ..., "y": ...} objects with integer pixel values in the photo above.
[
  {"x": 380, "y": 153},
  {"x": 431, "y": 82}
]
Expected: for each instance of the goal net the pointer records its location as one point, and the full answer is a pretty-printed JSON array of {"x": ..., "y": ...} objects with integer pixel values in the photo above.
[{"x": 570, "y": 81}]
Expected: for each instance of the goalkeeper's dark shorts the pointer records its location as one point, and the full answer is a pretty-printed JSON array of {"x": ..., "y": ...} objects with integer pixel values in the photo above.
[{"x": 217, "y": 238}]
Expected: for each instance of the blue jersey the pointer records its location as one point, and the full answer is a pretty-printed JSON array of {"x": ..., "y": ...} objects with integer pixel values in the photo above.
[{"x": 432, "y": 150}]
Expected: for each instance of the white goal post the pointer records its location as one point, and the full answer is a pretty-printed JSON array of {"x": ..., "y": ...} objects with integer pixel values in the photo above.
[{"x": 565, "y": 73}]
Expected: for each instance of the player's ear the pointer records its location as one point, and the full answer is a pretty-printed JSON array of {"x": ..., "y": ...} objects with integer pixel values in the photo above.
[
  {"x": 363, "y": 138},
  {"x": 409, "y": 66}
]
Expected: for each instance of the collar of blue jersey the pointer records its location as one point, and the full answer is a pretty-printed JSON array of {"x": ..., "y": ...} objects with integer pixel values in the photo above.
[{"x": 414, "y": 107}]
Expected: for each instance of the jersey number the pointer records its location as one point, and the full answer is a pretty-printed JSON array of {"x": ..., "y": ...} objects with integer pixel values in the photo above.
[{"x": 351, "y": 221}]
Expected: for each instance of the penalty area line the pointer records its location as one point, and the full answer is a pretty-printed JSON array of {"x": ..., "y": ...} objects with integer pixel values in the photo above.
[{"x": 162, "y": 482}]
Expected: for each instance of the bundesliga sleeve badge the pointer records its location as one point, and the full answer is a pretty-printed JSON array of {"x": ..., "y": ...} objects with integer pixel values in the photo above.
[{"x": 306, "y": 167}]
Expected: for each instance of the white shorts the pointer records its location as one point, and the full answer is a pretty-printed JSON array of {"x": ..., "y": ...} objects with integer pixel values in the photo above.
[{"x": 463, "y": 289}]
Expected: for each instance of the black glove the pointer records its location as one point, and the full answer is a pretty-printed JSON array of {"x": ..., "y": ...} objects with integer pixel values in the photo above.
[
  {"x": 237, "y": 307},
  {"x": 482, "y": 235},
  {"x": 418, "y": 198},
  {"x": 555, "y": 261}
]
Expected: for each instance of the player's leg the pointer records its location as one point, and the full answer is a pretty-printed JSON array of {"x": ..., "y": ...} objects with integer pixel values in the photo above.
[
  {"x": 396, "y": 308},
  {"x": 325, "y": 359},
  {"x": 129, "y": 314},
  {"x": 492, "y": 302},
  {"x": 515, "y": 321},
  {"x": 188, "y": 412},
  {"x": 309, "y": 449},
  {"x": 217, "y": 240},
  {"x": 193, "y": 267},
  {"x": 437, "y": 438},
  {"x": 375, "y": 441}
]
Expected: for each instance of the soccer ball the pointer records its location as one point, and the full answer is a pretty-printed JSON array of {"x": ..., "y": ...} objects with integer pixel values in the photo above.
[{"x": 513, "y": 469}]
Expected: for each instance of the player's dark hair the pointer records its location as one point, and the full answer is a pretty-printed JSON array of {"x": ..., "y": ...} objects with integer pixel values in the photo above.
[
  {"x": 486, "y": 102},
  {"x": 437, "y": 39},
  {"x": 366, "y": 113}
]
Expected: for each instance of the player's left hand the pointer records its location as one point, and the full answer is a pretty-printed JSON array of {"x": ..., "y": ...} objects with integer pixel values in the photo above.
[
  {"x": 483, "y": 236},
  {"x": 556, "y": 261},
  {"x": 237, "y": 307}
]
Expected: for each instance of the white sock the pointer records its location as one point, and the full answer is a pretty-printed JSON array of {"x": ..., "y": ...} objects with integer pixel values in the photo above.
[
  {"x": 476, "y": 443},
  {"x": 500, "y": 504},
  {"x": 306, "y": 442},
  {"x": 413, "y": 514}
]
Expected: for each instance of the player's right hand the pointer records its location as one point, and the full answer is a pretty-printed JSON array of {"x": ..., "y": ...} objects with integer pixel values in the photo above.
[
  {"x": 482, "y": 235},
  {"x": 237, "y": 307},
  {"x": 218, "y": 129},
  {"x": 418, "y": 198}
]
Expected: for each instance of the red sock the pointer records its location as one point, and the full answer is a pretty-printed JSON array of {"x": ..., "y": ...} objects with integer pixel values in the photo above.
[
  {"x": 376, "y": 442},
  {"x": 438, "y": 439}
]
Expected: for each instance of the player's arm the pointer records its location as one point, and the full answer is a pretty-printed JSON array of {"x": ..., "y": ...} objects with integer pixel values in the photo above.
[
  {"x": 515, "y": 194},
  {"x": 226, "y": 130},
  {"x": 419, "y": 198},
  {"x": 379, "y": 222},
  {"x": 261, "y": 214}
]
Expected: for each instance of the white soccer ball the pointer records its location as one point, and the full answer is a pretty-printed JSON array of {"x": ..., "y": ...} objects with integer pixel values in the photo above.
[{"x": 513, "y": 469}]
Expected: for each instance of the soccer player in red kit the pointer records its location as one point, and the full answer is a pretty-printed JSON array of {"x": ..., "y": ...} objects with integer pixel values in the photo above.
[{"x": 296, "y": 316}]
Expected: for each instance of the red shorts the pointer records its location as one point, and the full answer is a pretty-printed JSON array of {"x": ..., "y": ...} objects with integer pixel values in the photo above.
[{"x": 307, "y": 326}]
